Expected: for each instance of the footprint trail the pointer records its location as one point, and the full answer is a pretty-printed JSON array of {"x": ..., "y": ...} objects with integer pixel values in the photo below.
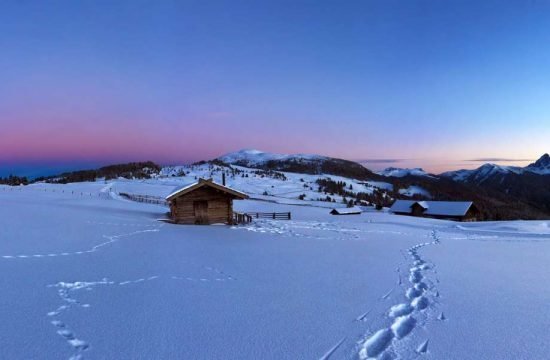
[
  {"x": 67, "y": 290},
  {"x": 110, "y": 240},
  {"x": 405, "y": 317}
]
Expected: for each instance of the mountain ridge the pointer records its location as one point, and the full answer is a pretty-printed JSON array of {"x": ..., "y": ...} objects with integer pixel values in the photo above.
[
  {"x": 540, "y": 167},
  {"x": 299, "y": 163}
]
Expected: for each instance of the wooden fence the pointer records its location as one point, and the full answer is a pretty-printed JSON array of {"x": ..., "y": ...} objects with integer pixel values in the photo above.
[
  {"x": 145, "y": 199},
  {"x": 241, "y": 218},
  {"x": 245, "y": 218},
  {"x": 273, "y": 215}
]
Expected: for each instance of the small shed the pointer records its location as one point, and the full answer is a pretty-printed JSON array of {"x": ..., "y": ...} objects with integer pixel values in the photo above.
[
  {"x": 452, "y": 210},
  {"x": 203, "y": 202},
  {"x": 347, "y": 211}
]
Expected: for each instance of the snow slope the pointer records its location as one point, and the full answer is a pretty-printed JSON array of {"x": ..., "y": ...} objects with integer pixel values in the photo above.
[
  {"x": 87, "y": 275},
  {"x": 258, "y": 184},
  {"x": 415, "y": 190}
]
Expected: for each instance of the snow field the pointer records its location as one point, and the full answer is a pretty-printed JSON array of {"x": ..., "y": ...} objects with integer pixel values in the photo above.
[{"x": 92, "y": 277}]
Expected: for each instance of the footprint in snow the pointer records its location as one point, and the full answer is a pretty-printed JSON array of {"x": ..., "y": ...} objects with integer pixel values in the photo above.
[
  {"x": 420, "y": 303},
  {"x": 376, "y": 344},
  {"x": 400, "y": 310},
  {"x": 403, "y": 325}
]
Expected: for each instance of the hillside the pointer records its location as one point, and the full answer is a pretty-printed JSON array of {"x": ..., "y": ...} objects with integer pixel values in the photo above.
[
  {"x": 493, "y": 202},
  {"x": 318, "y": 189},
  {"x": 499, "y": 192},
  {"x": 299, "y": 163},
  {"x": 135, "y": 170}
]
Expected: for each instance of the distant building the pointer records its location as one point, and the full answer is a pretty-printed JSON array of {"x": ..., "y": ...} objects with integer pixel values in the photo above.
[
  {"x": 203, "y": 202},
  {"x": 347, "y": 211},
  {"x": 452, "y": 210}
]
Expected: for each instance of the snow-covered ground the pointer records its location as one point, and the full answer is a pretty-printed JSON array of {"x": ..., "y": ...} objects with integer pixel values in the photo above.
[
  {"x": 88, "y": 274},
  {"x": 415, "y": 190},
  {"x": 258, "y": 184}
]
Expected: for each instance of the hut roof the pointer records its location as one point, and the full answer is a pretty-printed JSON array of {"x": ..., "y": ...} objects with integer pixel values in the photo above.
[
  {"x": 205, "y": 182},
  {"x": 423, "y": 204},
  {"x": 437, "y": 208},
  {"x": 347, "y": 211}
]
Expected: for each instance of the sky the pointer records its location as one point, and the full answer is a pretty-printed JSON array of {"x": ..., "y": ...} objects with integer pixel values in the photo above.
[{"x": 417, "y": 83}]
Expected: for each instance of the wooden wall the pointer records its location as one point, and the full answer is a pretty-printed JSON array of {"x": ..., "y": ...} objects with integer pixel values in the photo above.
[
  {"x": 220, "y": 206},
  {"x": 471, "y": 215},
  {"x": 417, "y": 210}
]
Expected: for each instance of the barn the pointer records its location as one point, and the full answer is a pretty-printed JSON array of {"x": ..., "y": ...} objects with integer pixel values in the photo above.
[
  {"x": 354, "y": 210},
  {"x": 203, "y": 202},
  {"x": 451, "y": 210}
]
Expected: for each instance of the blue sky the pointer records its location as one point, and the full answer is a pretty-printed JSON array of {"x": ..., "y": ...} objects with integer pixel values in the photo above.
[{"x": 437, "y": 81}]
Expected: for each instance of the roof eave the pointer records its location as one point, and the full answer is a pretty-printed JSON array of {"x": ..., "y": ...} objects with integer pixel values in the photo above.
[{"x": 208, "y": 182}]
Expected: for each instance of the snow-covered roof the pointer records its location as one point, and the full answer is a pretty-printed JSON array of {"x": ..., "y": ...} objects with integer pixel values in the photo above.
[
  {"x": 423, "y": 204},
  {"x": 347, "y": 211},
  {"x": 205, "y": 182},
  {"x": 437, "y": 208}
]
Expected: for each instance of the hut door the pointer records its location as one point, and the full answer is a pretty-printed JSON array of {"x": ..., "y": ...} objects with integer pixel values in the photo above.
[{"x": 201, "y": 212}]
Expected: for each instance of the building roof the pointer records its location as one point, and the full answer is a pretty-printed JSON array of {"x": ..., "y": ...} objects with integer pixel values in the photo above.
[
  {"x": 435, "y": 208},
  {"x": 347, "y": 211},
  {"x": 423, "y": 204},
  {"x": 205, "y": 182}
]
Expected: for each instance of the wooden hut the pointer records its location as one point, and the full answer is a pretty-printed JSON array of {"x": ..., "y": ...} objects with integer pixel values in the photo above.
[{"x": 204, "y": 202}]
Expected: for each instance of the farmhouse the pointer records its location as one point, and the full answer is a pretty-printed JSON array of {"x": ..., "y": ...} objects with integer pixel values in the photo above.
[
  {"x": 203, "y": 202},
  {"x": 347, "y": 211},
  {"x": 452, "y": 210}
]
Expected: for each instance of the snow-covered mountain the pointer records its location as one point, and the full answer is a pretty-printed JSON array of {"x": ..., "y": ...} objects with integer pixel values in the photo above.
[
  {"x": 482, "y": 173},
  {"x": 541, "y": 166},
  {"x": 253, "y": 157},
  {"x": 298, "y": 163},
  {"x": 486, "y": 171},
  {"x": 402, "y": 172}
]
